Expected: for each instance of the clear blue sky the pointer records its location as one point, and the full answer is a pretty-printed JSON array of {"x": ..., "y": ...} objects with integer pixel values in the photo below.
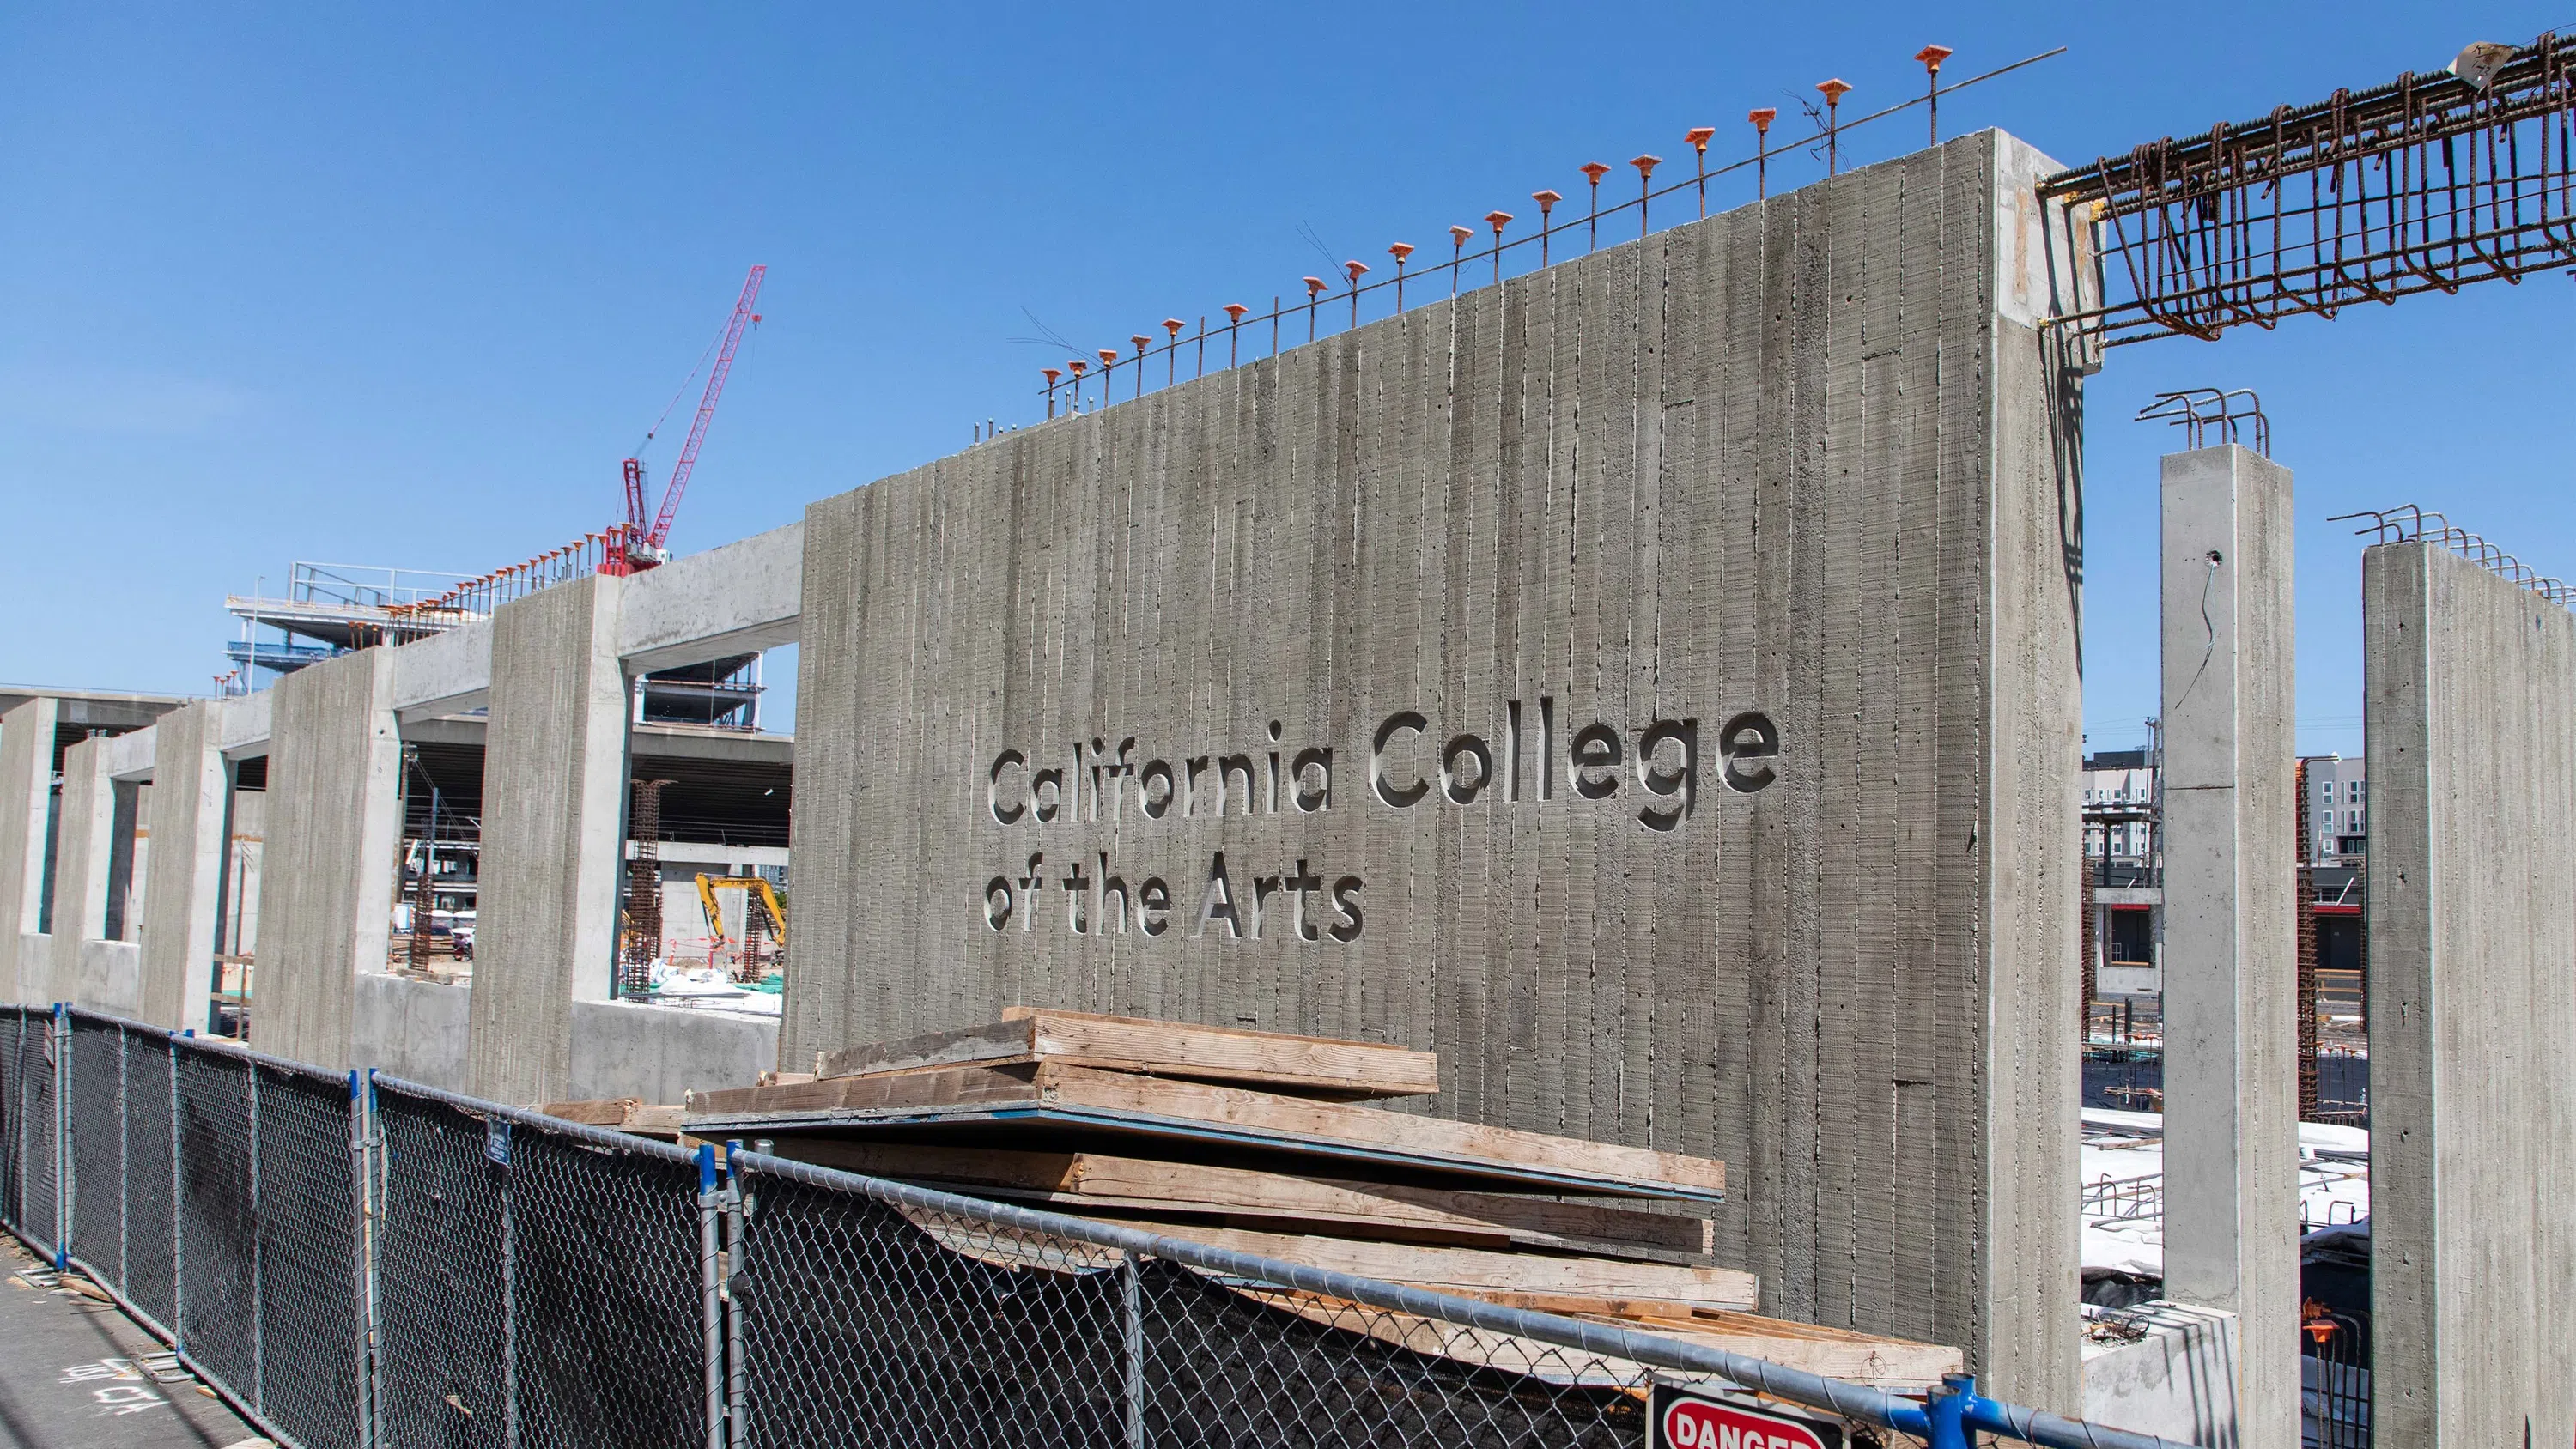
[{"x": 388, "y": 284}]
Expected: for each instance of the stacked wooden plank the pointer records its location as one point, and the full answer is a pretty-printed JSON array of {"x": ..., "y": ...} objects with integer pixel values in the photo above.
[{"x": 1279, "y": 1146}]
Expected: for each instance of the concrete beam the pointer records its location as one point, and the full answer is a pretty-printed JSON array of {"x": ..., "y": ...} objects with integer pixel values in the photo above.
[
  {"x": 93, "y": 708},
  {"x": 26, "y": 811},
  {"x": 2472, "y": 923},
  {"x": 128, "y": 757},
  {"x": 554, "y": 792},
  {"x": 659, "y": 742},
  {"x": 737, "y": 599},
  {"x": 246, "y": 725},
  {"x": 327, "y": 871},
  {"x": 184, "y": 871},
  {"x": 444, "y": 674},
  {"x": 2230, "y": 948}
]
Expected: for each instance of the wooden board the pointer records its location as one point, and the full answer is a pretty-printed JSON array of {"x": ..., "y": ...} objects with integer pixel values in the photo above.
[
  {"x": 1027, "y": 1035},
  {"x": 605, "y": 1112},
  {"x": 1092, "y": 1181},
  {"x": 1450, "y": 1270},
  {"x": 1885, "y": 1363},
  {"x": 1475, "y": 1269},
  {"x": 1052, "y": 1094},
  {"x": 624, "y": 1114}
]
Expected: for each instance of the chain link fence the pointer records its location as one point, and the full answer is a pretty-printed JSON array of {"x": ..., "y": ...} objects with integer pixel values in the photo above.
[
  {"x": 33, "y": 1190},
  {"x": 382, "y": 1265},
  {"x": 541, "y": 1284}
]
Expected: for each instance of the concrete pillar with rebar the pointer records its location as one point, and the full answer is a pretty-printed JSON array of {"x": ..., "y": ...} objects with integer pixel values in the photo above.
[
  {"x": 2471, "y": 929},
  {"x": 2230, "y": 965}
]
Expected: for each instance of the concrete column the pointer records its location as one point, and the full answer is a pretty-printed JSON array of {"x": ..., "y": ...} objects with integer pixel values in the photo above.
[
  {"x": 2468, "y": 680},
  {"x": 2230, "y": 942},
  {"x": 184, "y": 868},
  {"x": 84, "y": 853},
  {"x": 554, "y": 798},
  {"x": 26, "y": 802},
  {"x": 334, "y": 776}
]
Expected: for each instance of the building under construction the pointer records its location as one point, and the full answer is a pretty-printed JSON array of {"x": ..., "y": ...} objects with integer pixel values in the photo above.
[{"x": 1733, "y": 823}]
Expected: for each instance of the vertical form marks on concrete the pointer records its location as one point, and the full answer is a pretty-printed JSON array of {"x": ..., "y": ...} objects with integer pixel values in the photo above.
[
  {"x": 84, "y": 850},
  {"x": 2472, "y": 923},
  {"x": 26, "y": 803},
  {"x": 2231, "y": 950},
  {"x": 184, "y": 871},
  {"x": 554, "y": 793},
  {"x": 332, "y": 823},
  {"x": 1812, "y": 458},
  {"x": 2029, "y": 804}
]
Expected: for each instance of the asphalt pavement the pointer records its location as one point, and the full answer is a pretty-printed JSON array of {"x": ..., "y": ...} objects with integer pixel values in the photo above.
[{"x": 76, "y": 1373}]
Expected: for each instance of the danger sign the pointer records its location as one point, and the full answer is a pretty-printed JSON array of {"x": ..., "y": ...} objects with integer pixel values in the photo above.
[{"x": 1687, "y": 1420}]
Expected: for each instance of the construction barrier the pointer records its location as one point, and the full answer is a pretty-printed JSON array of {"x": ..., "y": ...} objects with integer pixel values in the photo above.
[{"x": 358, "y": 1262}]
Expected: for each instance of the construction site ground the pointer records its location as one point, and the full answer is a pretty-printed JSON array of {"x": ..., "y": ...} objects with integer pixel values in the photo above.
[{"x": 76, "y": 1373}]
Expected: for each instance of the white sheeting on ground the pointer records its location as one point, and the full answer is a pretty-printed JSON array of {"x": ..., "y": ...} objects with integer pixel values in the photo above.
[{"x": 2124, "y": 1233}]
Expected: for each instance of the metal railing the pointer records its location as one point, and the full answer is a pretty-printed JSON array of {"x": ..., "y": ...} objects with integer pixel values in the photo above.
[{"x": 355, "y": 1261}]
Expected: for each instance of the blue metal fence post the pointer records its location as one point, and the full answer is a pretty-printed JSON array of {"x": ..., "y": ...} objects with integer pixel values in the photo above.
[
  {"x": 737, "y": 1357},
  {"x": 711, "y": 1309},
  {"x": 1948, "y": 1411}
]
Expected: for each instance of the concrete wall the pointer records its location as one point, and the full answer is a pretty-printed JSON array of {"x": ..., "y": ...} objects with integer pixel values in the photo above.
[
  {"x": 1811, "y": 460},
  {"x": 248, "y": 833},
  {"x": 2472, "y": 926},
  {"x": 2178, "y": 1382},
  {"x": 415, "y": 1030},
  {"x": 2231, "y": 1106},
  {"x": 327, "y": 891},
  {"x": 104, "y": 976},
  {"x": 659, "y": 1053},
  {"x": 26, "y": 803},
  {"x": 184, "y": 869},
  {"x": 554, "y": 782}
]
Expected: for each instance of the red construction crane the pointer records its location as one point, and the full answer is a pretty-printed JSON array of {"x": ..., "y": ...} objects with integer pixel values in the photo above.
[{"x": 635, "y": 546}]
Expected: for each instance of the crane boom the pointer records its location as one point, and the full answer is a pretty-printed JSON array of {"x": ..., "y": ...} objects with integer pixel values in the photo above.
[{"x": 645, "y": 547}]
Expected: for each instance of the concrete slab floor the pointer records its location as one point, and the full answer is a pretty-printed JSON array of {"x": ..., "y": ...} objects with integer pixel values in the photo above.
[{"x": 72, "y": 1376}]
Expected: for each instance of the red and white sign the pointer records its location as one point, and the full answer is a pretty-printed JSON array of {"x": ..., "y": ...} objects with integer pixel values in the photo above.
[{"x": 1685, "y": 1420}]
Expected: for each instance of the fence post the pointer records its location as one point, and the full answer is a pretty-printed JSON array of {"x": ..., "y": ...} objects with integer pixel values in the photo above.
[
  {"x": 1132, "y": 1335},
  {"x": 360, "y": 1284},
  {"x": 496, "y": 1146},
  {"x": 124, "y": 1165},
  {"x": 1948, "y": 1410},
  {"x": 61, "y": 1042},
  {"x": 710, "y": 1308},
  {"x": 737, "y": 1356},
  {"x": 258, "y": 1395},
  {"x": 178, "y": 1214}
]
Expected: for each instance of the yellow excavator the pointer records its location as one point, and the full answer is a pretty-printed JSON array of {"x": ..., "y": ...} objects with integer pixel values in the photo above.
[{"x": 751, "y": 962}]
